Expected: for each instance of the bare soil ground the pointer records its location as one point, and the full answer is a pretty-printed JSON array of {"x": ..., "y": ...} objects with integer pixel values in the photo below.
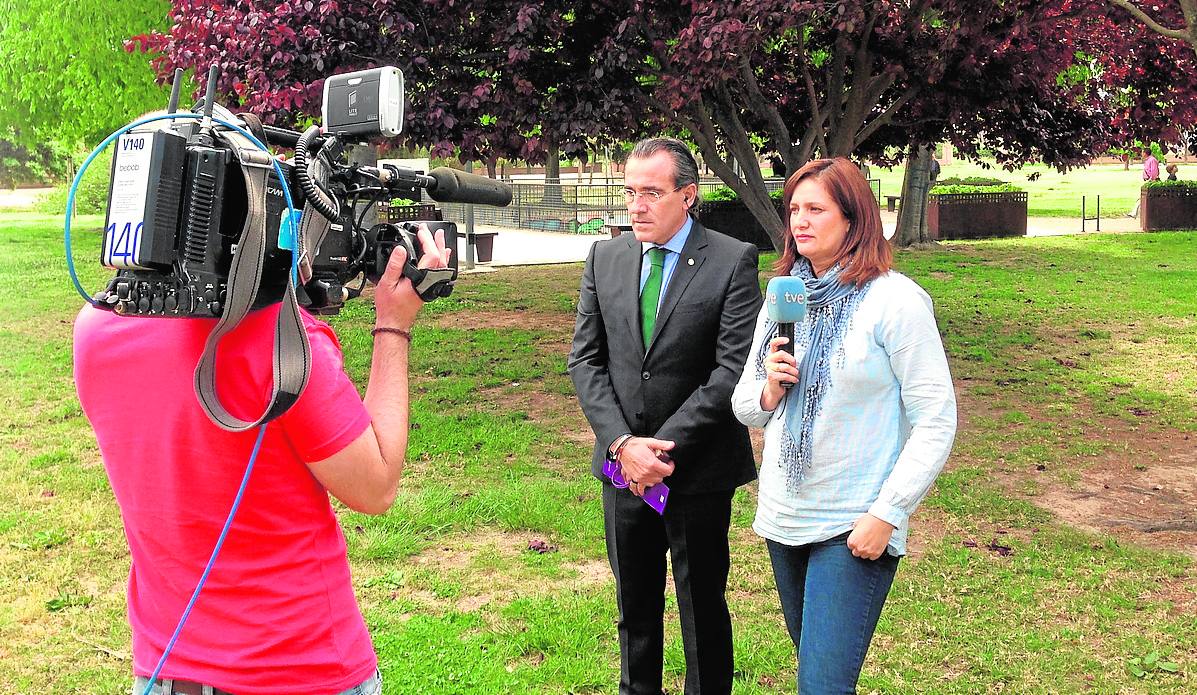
[{"x": 1141, "y": 489}]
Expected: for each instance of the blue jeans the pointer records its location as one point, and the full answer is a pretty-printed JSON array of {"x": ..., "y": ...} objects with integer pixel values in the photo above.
[
  {"x": 831, "y": 601},
  {"x": 370, "y": 686}
]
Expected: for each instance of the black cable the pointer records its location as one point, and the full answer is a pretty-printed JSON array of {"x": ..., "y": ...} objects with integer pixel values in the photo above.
[{"x": 311, "y": 193}]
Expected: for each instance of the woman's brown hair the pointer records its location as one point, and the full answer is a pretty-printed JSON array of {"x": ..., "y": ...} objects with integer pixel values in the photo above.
[{"x": 865, "y": 253}]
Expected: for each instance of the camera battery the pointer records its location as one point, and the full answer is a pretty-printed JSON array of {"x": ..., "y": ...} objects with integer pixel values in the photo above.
[
  {"x": 366, "y": 103},
  {"x": 144, "y": 200}
]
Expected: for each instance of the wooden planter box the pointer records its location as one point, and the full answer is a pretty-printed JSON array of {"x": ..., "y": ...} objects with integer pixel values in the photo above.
[
  {"x": 733, "y": 219},
  {"x": 977, "y": 215},
  {"x": 1168, "y": 208}
]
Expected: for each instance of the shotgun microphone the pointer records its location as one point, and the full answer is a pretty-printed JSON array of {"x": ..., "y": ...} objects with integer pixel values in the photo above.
[
  {"x": 452, "y": 186},
  {"x": 785, "y": 303}
]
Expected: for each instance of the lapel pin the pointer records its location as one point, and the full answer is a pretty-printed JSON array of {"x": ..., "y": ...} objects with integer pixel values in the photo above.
[{"x": 689, "y": 261}]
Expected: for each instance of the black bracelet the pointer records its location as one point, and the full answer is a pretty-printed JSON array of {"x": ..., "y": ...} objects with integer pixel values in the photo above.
[{"x": 388, "y": 329}]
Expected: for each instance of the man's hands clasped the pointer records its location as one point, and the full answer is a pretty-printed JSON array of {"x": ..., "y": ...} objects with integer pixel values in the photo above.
[{"x": 642, "y": 465}]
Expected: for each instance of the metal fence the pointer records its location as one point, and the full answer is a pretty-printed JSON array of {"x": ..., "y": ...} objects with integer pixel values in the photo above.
[
  {"x": 574, "y": 206},
  {"x": 565, "y": 207}
]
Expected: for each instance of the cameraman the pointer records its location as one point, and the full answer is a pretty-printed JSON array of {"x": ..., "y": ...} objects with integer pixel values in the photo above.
[{"x": 277, "y": 613}]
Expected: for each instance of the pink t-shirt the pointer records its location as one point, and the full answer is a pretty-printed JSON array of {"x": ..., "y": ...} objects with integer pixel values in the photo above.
[
  {"x": 1151, "y": 168},
  {"x": 277, "y": 614}
]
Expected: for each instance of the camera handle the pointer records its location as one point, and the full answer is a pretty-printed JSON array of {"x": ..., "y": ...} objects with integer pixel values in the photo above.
[{"x": 430, "y": 283}]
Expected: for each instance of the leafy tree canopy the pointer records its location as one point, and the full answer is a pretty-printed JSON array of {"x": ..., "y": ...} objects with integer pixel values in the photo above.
[
  {"x": 64, "y": 75},
  {"x": 1048, "y": 80}
]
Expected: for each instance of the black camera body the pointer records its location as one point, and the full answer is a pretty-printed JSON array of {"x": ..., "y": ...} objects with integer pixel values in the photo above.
[{"x": 179, "y": 205}]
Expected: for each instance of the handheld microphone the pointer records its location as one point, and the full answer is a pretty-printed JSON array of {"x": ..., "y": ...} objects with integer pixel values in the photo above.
[
  {"x": 785, "y": 303},
  {"x": 453, "y": 186}
]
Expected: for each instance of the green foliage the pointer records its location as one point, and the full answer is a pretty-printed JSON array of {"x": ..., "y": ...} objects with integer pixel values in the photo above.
[
  {"x": 92, "y": 196},
  {"x": 1001, "y": 188},
  {"x": 970, "y": 181},
  {"x": 723, "y": 194},
  {"x": 65, "y": 75},
  {"x": 1179, "y": 183},
  {"x": 42, "y": 163},
  {"x": 1151, "y": 664}
]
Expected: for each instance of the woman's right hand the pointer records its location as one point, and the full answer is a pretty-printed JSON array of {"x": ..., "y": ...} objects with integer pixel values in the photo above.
[{"x": 781, "y": 371}]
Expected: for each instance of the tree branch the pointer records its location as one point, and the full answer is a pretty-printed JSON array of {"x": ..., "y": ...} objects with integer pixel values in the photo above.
[
  {"x": 781, "y": 134},
  {"x": 816, "y": 115},
  {"x": 1151, "y": 23},
  {"x": 887, "y": 115}
]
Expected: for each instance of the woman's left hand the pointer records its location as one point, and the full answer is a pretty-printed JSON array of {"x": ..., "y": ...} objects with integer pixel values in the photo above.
[{"x": 869, "y": 537}]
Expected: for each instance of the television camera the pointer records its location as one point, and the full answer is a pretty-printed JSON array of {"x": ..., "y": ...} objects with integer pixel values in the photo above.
[{"x": 186, "y": 199}]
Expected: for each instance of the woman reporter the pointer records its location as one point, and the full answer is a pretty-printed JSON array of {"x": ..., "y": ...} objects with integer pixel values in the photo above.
[{"x": 853, "y": 446}]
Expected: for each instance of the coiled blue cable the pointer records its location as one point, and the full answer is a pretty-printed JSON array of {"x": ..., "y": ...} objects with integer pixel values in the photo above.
[{"x": 291, "y": 221}]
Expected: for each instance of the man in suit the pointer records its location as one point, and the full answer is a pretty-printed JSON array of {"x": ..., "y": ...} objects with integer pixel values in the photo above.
[{"x": 665, "y": 319}]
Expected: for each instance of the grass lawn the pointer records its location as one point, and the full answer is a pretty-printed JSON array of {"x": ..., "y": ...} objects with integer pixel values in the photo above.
[
  {"x": 1053, "y": 194},
  {"x": 1060, "y": 346}
]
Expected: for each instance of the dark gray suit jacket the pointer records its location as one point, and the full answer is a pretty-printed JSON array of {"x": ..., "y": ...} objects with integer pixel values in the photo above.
[{"x": 681, "y": 389}]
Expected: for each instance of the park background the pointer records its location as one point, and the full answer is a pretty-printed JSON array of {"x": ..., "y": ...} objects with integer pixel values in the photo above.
[{"x": 1055, "y": 553}]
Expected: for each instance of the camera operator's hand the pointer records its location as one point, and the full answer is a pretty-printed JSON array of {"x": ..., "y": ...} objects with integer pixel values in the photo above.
[{"x": 395, "y": 300}]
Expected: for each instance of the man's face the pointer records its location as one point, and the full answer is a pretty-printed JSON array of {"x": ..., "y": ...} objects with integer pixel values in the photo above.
[{"x": 656, "y": 221}]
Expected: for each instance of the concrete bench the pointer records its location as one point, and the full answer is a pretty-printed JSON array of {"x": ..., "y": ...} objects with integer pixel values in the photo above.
[{"x": 891, "y": 202}]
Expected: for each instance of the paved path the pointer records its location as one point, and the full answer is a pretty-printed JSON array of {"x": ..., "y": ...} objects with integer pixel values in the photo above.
[{"x": 527, "y": 247}]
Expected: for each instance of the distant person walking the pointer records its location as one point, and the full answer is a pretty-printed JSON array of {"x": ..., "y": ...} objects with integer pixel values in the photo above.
[
  {"x": 1151, "y": 166},
  {"x": 1171, "y": 169},
  {"x": 1151, "y": 172}
]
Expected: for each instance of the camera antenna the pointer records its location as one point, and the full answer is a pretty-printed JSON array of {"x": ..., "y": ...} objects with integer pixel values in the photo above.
[
  {"x": 173, "y": 105},
  {"x": 209, "y": 102}
]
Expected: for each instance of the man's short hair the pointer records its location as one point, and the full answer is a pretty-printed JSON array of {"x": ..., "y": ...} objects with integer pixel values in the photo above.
[{"x": 685, "y": 168}]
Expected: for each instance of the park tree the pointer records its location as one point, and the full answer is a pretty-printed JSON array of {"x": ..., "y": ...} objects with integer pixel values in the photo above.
[
  {"x": 1021, "y": 79},
  {"x": 64, "y": 74}
]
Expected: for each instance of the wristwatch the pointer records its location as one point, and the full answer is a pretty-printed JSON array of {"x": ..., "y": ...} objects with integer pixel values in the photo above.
[{"x": 613, "y": 450}]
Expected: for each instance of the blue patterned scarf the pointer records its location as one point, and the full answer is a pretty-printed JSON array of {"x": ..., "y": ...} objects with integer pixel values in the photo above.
[{"x": 830, "y": 305}]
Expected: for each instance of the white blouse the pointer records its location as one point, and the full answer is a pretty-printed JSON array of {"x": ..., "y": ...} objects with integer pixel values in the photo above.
[{"x": 884, "y": 429}]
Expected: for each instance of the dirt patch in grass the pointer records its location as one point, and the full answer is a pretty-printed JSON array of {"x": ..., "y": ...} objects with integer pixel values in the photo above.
[
  {"x": 1141, "y": 488},
  {"x": 559, "y": 412},
  {"x": 491, "y": 570},
  {"x": 527, "y": 319}
]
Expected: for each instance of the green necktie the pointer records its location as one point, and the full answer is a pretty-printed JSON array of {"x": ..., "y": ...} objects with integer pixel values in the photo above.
[{"x": 651, "y": 293}]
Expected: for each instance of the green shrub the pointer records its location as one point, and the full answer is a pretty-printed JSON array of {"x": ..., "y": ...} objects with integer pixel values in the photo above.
[
  {"x": 950, "y": 189},
  {"x": 43, "y": 164},
  {"x": 1180, "y": 183},
  {"x": 723, "y": 194},
  {"x": 970, "y": 181},
  {"x": 92, "y": 196}
]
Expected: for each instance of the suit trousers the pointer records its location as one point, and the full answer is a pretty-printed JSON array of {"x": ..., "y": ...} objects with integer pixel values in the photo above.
[{"x": 693, "y": 531}]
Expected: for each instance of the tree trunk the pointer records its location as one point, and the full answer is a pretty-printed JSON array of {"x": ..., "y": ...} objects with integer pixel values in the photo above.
[
  {"x": 552, "y": 175},
  {"x": 912, "y": 215}
]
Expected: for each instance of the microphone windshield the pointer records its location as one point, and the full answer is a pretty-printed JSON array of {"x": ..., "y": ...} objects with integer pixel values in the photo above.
[
  {"x": 454, "y": 186},
  {"x": 785, "y": 299}
]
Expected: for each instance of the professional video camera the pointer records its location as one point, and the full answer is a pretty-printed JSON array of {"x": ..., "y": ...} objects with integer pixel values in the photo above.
[{"x": 188, "y": 198}]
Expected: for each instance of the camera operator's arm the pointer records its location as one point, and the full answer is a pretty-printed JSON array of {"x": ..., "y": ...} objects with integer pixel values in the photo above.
[{"x": 365, "y": 474}]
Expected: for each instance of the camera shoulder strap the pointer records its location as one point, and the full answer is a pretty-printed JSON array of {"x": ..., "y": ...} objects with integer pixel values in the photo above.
[{"x": 292, "y": 358}]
